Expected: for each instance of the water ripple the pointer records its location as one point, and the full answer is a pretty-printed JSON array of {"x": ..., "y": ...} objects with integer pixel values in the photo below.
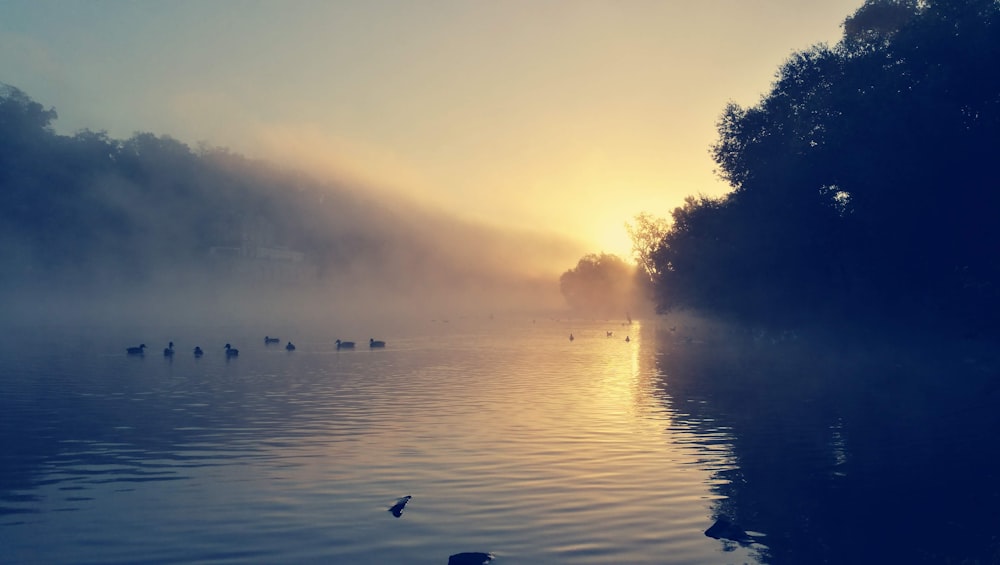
[{"x": 509, "y": 438}]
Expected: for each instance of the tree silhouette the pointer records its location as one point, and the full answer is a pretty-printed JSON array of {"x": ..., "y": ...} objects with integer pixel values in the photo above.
[
  {"x": 862, "y": 182},
  {"x": 600, "y": 285},
  {"x": 647, "y": 233}
]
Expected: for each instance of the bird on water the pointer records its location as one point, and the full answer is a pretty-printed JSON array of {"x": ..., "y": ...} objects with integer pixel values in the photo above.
[
  {"x": 372, "y": 342},
  {"x": 136, "y": 350},
  {"x": 470, "y": 558},
  {"x": 345, "y": 344},
  {"x": 231, "y": 351},
  {"x": 397, "y": 509}
]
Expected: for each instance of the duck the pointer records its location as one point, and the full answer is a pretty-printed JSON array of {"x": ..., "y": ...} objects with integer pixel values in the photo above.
[
  {"x": 269, "y": 340},
  {"x": 397, "y": 509},
  {"x": 136, "y": 350},
  {"x": 198, "y": 352},
  {"x": 627, "y": 339},
  {"x": 470, "y": 558},
  {"x": 290, "y": 346},
  {"x": 231, "y": 351},
  {"x": 169, "y": 350},
  {"x": 345, "y": 344},
  {"x": 571, "y": 338},
  {"x": 372, "y": 342}
]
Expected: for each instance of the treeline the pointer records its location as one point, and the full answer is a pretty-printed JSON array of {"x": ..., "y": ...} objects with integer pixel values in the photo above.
[
  {"x": 865, "y": 183},
  {"x": 87, "y": 206},
  {"x": 603, "y": 285},
  {"x": 87, "y": 210}
]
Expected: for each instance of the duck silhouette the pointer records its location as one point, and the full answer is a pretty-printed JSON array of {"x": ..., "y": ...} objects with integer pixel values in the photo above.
[
  {"x": 269, "y": 340},
  {"x": 136, "y": 350},
  {"x": 198, "y": 352},
  {"x": 231, "y": 351},
  {"x": 470, "y": 558},
  {"x": 169, "y": 350},
  {"x": 290, "y": 347},
  {"x": 397, "y": 509},
  {"x": 345, "y": 344},
  {"x": 372, "y": 342}
]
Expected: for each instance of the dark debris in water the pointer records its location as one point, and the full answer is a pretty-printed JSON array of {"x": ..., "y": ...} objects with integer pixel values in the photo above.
[{"x": 724, "y": 529}]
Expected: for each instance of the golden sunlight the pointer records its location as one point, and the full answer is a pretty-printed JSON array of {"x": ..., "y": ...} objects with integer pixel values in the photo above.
[{"x": 615, "y": 239}]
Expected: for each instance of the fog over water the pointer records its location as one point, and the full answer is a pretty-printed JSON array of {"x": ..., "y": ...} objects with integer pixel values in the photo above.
[
  {"x": 821, "y": 386},
  {"x": 146, "y": 228}
]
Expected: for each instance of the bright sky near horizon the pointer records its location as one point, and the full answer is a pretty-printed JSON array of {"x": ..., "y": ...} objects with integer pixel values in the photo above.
[{"x": 569, "y": 116}]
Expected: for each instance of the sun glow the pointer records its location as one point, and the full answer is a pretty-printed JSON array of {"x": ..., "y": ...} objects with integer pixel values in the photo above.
[{"x": 615, "y": 239}]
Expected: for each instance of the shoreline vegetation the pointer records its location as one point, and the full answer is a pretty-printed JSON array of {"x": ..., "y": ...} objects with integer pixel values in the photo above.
[
  {"x": 863, "y": 192},
  {"x": 133, "y": 223},
  {"x": 817, "y": 231}
]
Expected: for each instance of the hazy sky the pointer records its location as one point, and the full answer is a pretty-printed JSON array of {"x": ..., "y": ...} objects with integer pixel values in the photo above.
[{"x": 571, "y": 116}]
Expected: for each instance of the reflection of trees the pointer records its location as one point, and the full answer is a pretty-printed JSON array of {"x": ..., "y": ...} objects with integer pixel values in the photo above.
[{"x": 845, "y": 456}]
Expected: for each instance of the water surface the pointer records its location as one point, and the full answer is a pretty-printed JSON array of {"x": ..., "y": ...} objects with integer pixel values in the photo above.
[{"x": 510, "y": 438}]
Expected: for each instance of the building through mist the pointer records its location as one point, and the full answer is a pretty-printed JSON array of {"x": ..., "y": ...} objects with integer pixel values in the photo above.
[{"x": 247, "y": 248}]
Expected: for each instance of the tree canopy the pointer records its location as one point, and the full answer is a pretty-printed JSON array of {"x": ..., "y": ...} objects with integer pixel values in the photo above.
[
  {"x": 601, "y": 285},
  {"x": 95, "y": 209},
  {"x": 89, "y": 211},
  {"x": 863, "y": 183}
]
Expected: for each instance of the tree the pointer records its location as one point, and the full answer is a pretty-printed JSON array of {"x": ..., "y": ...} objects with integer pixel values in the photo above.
[
  {"x": 647, "y": 235},
  {"x": 862, "y": 182},
  {"x": 879, "y": 19},
  {"x": 600, "y": 285},
  {"x": 21, "y": 118}
]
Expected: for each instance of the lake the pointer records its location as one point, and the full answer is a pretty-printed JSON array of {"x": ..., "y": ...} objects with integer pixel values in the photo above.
[{"x": 509, "y": 437}]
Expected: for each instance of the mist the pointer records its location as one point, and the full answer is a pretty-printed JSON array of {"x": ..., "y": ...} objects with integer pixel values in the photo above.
[{"x": 151, "y": 230}]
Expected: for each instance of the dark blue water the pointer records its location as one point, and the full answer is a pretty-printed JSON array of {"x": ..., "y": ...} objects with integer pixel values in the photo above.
[{"x": 510, "y": 438}]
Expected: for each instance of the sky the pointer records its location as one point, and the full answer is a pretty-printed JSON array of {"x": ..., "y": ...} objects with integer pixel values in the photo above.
[{"x": 567, "y": 116}]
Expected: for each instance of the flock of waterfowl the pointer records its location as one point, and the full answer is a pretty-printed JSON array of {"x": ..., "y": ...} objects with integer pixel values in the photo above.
[
  {"x": 268, "y": 340},
  {"x": 233, "y": 352},
  {"x": 609, "y": 334}
]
